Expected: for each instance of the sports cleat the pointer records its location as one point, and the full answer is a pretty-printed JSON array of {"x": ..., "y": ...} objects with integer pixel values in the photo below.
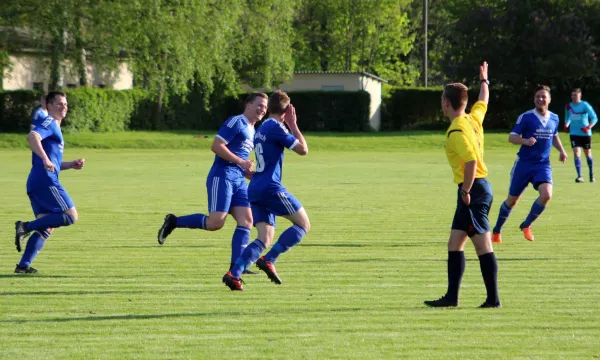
[
  {"x": 496, "y": 238},
  {"x": 527, "y": 232},
  {"x": 25, "y": 270},
  {"x": 233, "y": 283},
  {"x": 269, "y": 269},
  {"x": 579, "y": 179},
  {"x": 167, "y": 228},
  {"x": 441, "y": 302},
  {"x": 592, "y": 179},
  {"x": 20, "y": 233},
  {"x": 487, "y": 305}
]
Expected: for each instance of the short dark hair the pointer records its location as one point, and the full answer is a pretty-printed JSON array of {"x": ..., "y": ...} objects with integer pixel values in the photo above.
[
  {"x": 53, "y": 95},
  {"x": 278, "y": 102},
  {"x": 577, "y": 90},
  {"x": 456, "y": 93},
  {"x": 250, "y": 99},
  {"x": 542, "y": 87}
]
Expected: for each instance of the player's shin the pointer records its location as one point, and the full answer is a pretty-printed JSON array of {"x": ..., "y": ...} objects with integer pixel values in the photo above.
[
  {"x": 536, "y": 210},
  {"x": 194, "y": 221},
  {"x": 239, "y": 241},
  {"x": 456, "y": 269},
  {"x": 53, "y": 220},
  {"x": 288, "y": 239},
  {"x": 578, "y": 166},
  {"x": 34, "y": 246},
  {"x": 502, "y": 217},
  {"x": 249, "y": 256},
  {"x": 489, "y": 271}
]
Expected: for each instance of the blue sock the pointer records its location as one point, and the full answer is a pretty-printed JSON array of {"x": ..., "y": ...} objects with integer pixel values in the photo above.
[
  {"x": 53, "y": 220},
  {"x": 590, "y": 161},
  {"x": 502, "y": 217},
  {"x": 578, "y": 166},
  {"x": 34, "y": 246},
  {"x": 239, "y": 241},
  {"x": 194, "y": 221},
  {"x": 250, "y": 254},
  {"x": 289, "y": 238},
  {"x": 536, "y": 210}
]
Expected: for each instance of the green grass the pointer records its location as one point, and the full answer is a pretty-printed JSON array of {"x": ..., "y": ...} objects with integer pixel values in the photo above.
[
  {"x": 382, "y": 141},
  {"x": 380, "y": 207}
]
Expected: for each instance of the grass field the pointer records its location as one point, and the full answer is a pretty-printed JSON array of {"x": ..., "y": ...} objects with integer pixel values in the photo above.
[{"x": 380, "y": 207}]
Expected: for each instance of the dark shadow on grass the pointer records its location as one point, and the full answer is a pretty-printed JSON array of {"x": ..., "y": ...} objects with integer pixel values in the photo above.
[
  {"x": 173, "y": 315},
  {"x": 529, "y": 259},
  {"x": 155, "y": 246},
  {"x": 91, "y": 292},
  {"x": 334, "y": 245},
  {"x": 36, "y": 276}
]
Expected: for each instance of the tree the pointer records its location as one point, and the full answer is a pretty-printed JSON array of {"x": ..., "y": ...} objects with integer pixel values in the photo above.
[{"x": 354, "y": 35}]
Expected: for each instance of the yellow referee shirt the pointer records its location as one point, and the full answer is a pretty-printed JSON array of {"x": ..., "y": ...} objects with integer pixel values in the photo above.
[{"x": 464, "y": 142}]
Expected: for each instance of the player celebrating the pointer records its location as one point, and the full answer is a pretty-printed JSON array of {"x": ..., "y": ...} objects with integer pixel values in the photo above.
[
  {"x": 579, "y": 120},
  {"x": 536, "y": 131},
  {"x": 226, "y": 184},
  {"x": 268, "y": 196},
  {"x": 51, "y": 204}
]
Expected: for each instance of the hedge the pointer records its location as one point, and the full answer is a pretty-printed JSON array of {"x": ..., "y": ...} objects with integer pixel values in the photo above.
[
  {"x": 103, "y": 110},
  {"x": 420, "y": 108}
]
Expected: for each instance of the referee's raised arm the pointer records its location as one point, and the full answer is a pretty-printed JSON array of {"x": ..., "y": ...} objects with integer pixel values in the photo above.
[{"x": 484, "y": 90}]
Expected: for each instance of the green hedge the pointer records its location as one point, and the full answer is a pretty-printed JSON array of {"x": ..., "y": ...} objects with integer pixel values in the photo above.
[
  {"x": 102, "y": 110},
  {"x": 420, "y": 108},
  {"x": 89, "y": 109}
]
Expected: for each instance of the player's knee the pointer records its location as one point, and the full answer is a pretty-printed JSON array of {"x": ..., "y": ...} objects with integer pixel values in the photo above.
[
  {"x": 245, "y": 222},
  {"x": 305, "y": 224},
  {"x": 511, "y": 202},
  {"x": 73, "y": 217},
  {"x": 545, "y": 198},
  {"x": 213, "y": 224}
]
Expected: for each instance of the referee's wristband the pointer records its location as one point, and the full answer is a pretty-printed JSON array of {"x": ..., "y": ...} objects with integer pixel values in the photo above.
[
  {"x": 464, "y": 193},
  {"x": 485, "y": 81}
]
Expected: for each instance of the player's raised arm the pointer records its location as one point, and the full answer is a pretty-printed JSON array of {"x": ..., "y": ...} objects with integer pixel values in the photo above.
[
  {"x": 290, "y": 118},
  {"x": 484, "y": 91}
]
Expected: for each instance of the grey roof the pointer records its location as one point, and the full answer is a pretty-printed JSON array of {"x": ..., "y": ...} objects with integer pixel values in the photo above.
[{"x": 363, "y": 73}]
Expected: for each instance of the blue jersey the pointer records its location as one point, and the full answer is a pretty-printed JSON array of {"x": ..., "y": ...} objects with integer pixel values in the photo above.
[
  {"x": 270, "y": 141},
  {"x": 543, "y": 129},
  {"x": 578, "y": 116},
  {"x": 53, "y": 143},
  {"x": 38, "y": 114},
  {"x": 238, "y": 134}
]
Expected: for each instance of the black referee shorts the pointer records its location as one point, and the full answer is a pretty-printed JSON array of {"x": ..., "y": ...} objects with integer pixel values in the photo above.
[{"x": 473, "y": 219}]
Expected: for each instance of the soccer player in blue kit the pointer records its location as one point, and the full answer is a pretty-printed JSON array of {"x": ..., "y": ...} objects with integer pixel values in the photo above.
[
  {"x": 40, "y": 111},
  {"x": 226, "y": 185},
  {"x": 268, "y": 197},
  {"x": 51, "y": 204},
  {"x": 536, "y": 131},
  {"x": 580, "y": 117}
]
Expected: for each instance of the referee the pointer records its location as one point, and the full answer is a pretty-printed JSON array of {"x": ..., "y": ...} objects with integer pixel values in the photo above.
[{"x": 464, "y": 149}]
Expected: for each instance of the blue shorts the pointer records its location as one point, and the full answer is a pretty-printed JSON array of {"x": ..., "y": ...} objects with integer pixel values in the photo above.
[
  {"x": 473, "y": 219},
  {"x": 271, "y": 204},
  {"x": 224, "y": 193},
  {"x": 49, "y": 199},
  {"x": 524, "y": 173}
]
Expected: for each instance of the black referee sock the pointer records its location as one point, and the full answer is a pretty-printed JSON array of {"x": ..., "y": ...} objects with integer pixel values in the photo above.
[
  {"x": 456, "y": 269},
  {"x": 489, "y": 271}
]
